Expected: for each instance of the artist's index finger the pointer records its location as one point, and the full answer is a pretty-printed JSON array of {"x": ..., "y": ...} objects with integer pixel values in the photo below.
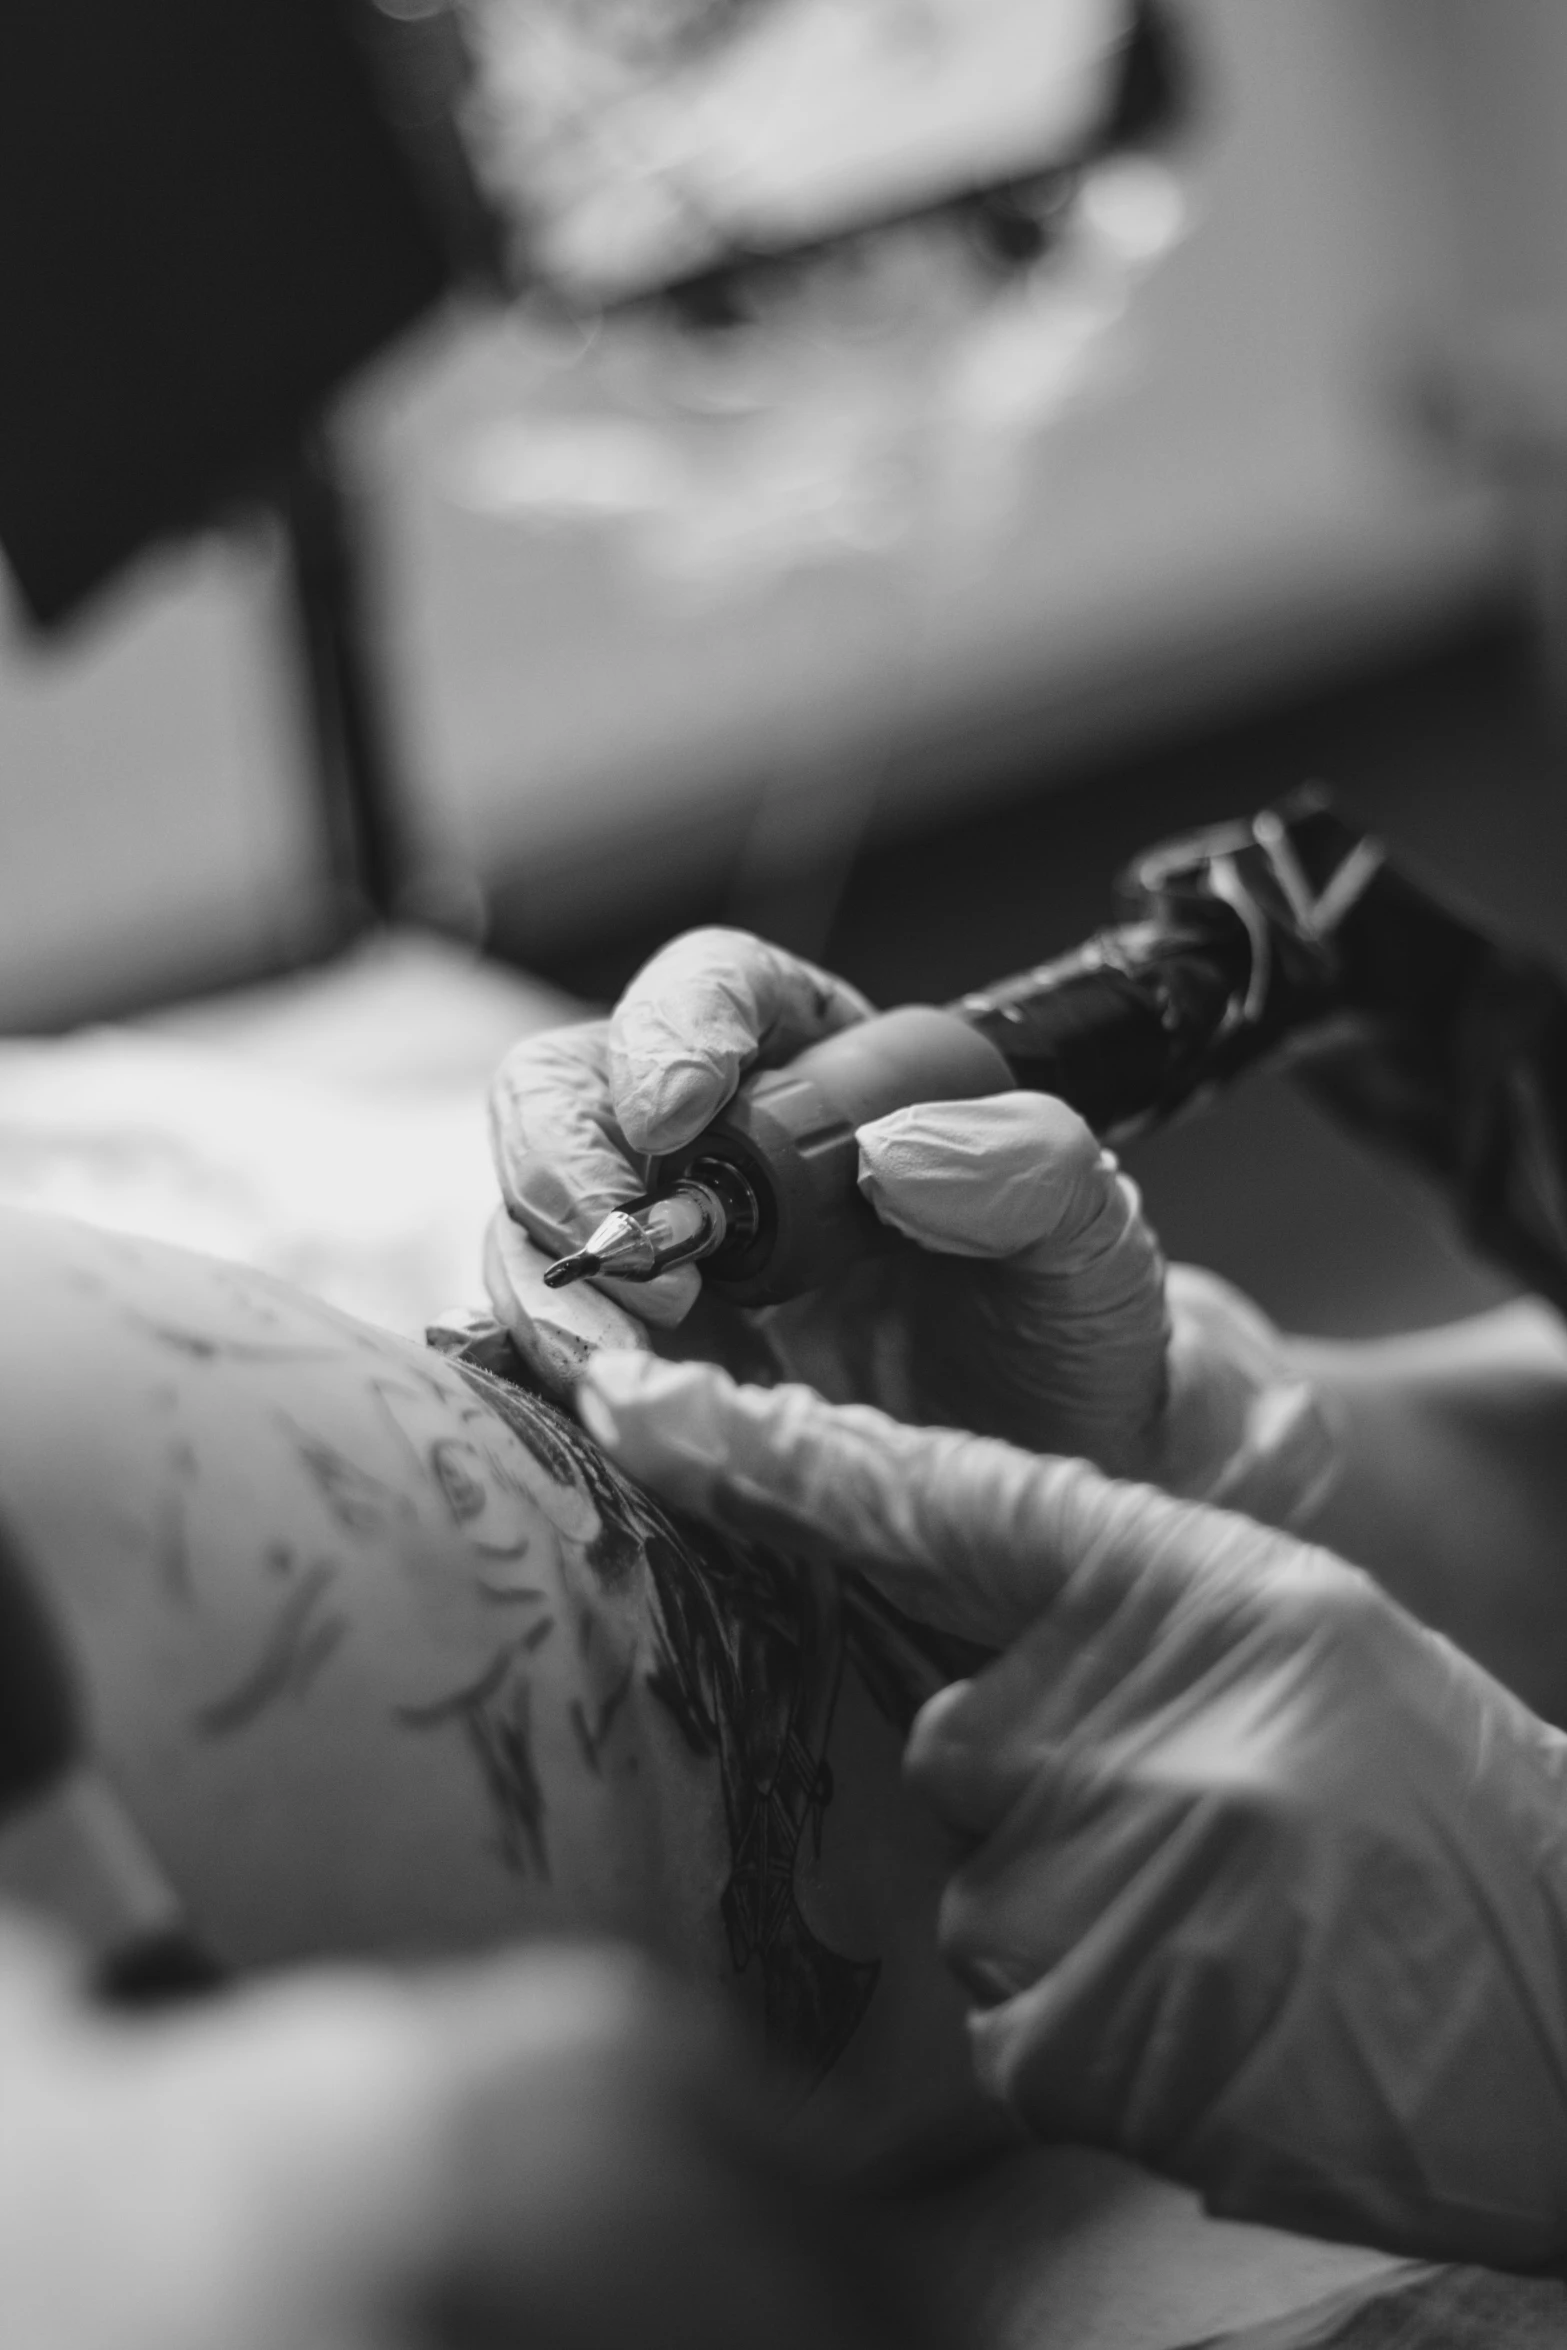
[
  {"x": 938, "y": 1520},
  {"x": 707, "y": 1008},
  {"x": 559, "y": 1157}
]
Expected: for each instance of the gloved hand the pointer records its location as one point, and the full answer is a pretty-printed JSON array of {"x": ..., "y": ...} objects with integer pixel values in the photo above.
[
  {"x": 1263, "y": 1883},
  {"x": 1033, "y": 1306},
  {"x": 551, "y": 2150}
]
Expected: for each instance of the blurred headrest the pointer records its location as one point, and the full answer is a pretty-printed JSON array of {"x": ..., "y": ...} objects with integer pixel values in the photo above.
[{"x": 210, "y": 212}]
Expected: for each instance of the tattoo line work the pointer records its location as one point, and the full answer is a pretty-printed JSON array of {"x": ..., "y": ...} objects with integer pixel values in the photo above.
[
  {"x": 593, "y": 1736},
  {"x": 170, "y": 1534},
  {"x": 743, "y": 1649},
  {"x": 479, "y": 1497},
  {"x": 459, "y": 1703},
  {"x": 496, "y": 1715},
  {"x": 366, "y": 1506},
  {"x": 298, "y": 1645},
  {"x": 747, "y": 1654},
  {"x": 199, "y": 1346}
]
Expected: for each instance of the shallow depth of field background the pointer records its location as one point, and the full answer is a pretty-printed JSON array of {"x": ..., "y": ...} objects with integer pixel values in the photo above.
[{"x": 1307, "y": 523}]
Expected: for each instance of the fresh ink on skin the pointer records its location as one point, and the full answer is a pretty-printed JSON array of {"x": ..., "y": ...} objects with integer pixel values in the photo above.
[
  {"x": 261, "y": 1317},
  {"x": 510, "y": 1594},
  {"x": 592, "y": 1737},
  {"x": 171, "y": 1531},
  {"x": 502, "y": 1738},
  {"x": 633, "y": 1630},
  {"x": 200, "y": 1348},
  {"x": 463, "y": 1491},
  {"x": 495, "y": 1714},
  {"x": 481, "y": 1497},
  {"x": 458, "y": 1703},
  {"x": 746, "y": 1658},
  {"x": 365, "y": 1506},
  {"x": 301, "y": 1640}
]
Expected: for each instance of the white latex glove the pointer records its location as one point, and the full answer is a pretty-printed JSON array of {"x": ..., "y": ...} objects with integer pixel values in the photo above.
[
  {"x": 550, "y": 2150},
  {"x": 1032, "y": 1306},
  {"x": 1263, "y": 1884}
]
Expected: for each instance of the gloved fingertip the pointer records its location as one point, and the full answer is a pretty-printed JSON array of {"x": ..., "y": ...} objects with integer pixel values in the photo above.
[
  {"x": 966, "y": 1782},
  {"x": 936, "y": 1728},
  {"x": 893, "y": 1180},
  {"x": 987, "y": 1178},
  {"x": 662, "y": 1107},
  {"x": 598, "y": 1417},
  {"x": 663, "y": 1303},
  {"x": 658, "y": 1420}
]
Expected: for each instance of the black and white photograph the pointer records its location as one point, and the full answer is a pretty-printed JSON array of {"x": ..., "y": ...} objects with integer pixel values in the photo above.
[{"x": 783, "y": 1175}]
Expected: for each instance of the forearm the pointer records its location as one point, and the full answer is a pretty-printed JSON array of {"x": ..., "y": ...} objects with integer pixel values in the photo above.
[{"x": 1453, "y": 1484}]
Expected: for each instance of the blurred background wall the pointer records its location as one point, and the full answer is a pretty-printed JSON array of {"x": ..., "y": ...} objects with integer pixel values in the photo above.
[
  {"x": 155, "y": 830},
  {"x": 1249, "y": 501}
]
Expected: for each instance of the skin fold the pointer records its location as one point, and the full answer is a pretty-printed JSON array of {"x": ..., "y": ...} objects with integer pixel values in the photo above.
[{"x": 386, "y": 1661}]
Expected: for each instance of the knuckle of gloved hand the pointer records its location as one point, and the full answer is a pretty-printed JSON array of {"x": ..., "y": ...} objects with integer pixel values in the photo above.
[
  {"x": 941, "y": 1743},
  {"x": 1067, "y": 1138},
  {"x": 566, "y": 1057},
  {"x": 682, "y": 1035},
  {"x": 710, "y": 979},
  {"x": 979, "y": 1947},
  {"x": 1076, "y": 1175},
  {"x": 1320, "y": 1598},
  {"x": 549, "y": 1208},
  {"x": 547, "y": 1086},
  {"x": 1204, "y": 1307},
  {"x": 514, "y": 1075}
]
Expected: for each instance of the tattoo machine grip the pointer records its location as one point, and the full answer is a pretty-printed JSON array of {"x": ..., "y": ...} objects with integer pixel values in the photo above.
[{"x": 1221, "y": 961}]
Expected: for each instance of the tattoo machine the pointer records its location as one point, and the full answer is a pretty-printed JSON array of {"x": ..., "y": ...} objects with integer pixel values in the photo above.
[
  {"x": 67, "y": 1848},
  {"x": 1289, "y": 933}
]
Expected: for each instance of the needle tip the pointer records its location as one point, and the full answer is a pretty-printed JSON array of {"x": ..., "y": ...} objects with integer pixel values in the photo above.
[{"x": 565, "y": 1270}]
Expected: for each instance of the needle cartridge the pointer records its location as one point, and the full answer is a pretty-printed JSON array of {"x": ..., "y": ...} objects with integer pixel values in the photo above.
[{"x": 691, "y": 1221}]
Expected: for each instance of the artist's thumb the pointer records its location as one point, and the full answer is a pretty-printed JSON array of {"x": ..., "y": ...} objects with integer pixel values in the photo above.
[{"x": 994, "y": 1178}]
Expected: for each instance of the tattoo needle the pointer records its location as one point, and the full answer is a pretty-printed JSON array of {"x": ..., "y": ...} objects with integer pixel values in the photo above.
[
  {"x": 637, "y": 1244},
  {"x": 574, "y": 1268}
]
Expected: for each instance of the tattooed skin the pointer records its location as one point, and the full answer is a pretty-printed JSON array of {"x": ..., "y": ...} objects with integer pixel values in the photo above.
[
  {"x": 387, "y": 1658},
  {"x": 297, "y": 1646},
  {"x": 746, "y": 1656}
]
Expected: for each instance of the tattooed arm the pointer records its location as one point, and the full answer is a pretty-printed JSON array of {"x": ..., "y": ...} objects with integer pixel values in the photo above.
[{"x": 385, "y": 1659}]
